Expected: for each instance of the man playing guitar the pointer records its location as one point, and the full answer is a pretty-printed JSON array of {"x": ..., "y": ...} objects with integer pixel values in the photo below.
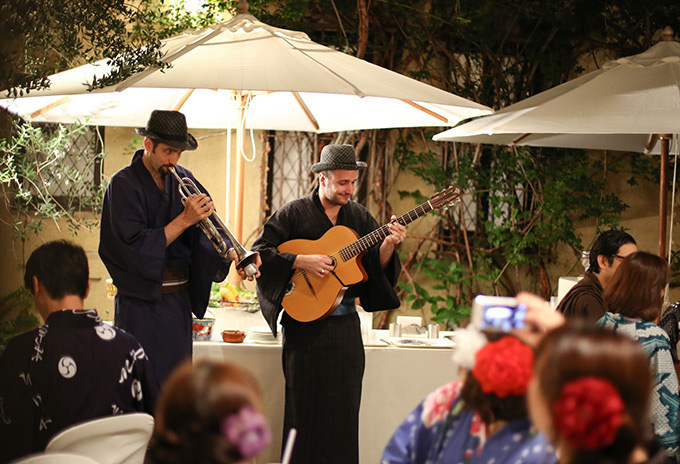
[{"x": 323, "y": 359}]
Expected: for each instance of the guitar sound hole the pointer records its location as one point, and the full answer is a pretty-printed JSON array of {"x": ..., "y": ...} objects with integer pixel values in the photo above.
[
  {"x": 333, "y": 262},
  {"x": 290, "y": 288}
]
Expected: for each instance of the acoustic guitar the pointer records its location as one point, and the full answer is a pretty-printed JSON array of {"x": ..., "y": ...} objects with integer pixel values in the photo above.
[{"x": 309, "y": 297}]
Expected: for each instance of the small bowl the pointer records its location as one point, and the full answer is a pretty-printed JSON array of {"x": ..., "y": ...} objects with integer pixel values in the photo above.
[
  {"x": 233, "y": 336},
  {"x": 202, "y": 329}
]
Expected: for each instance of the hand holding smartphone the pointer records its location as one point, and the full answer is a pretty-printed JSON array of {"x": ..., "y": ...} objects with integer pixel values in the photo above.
[{"x": 500, "y": 313}]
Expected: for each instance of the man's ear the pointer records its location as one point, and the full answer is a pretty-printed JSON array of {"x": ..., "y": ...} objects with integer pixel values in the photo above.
[
  {"x": 36, "y": 285},
  {"x": 603, "y": 262},
  {"x": 148, "y": 144},
  {"x": 87, "y": 292}
]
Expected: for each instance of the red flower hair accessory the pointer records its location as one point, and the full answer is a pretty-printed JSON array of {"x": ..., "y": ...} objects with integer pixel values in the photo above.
[
  {"x": 588, "y": 412},
  {"x": 504, "y": 367}
]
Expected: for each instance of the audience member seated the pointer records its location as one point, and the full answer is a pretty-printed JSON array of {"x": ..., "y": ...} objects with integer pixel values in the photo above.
[
  {"x": 584, "y": 300},
  {"x": 572, "y": 353},
  {"x": 670, "y": 323},
  {"x": 208, "y": 413},
  {"x": 72, "y": 369},
  {"x": 480, "y": 419},
  {"x": 590, "y": 396},
  {"x": 634, "y": 299}
]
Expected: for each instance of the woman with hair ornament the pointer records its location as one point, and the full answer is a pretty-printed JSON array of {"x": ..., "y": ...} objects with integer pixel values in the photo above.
[
  {"x": 209, "y": 413},
  {"x": 590, "y": 391},
  {"x": 634, "y": 300},
  {"x": 481, "y": 418}
]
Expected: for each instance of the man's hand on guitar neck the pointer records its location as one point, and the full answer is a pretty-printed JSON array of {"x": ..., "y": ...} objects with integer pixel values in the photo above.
[
  {"x": 397, "y": 235},
  {"x": 319, "y": 265}
]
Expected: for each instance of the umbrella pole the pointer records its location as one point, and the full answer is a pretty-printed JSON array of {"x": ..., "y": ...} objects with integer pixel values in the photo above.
[{"x": 663, "y": 195}]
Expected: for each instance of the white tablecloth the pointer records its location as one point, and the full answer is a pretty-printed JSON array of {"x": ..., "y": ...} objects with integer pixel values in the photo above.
[{"x": 395, "y": 381}]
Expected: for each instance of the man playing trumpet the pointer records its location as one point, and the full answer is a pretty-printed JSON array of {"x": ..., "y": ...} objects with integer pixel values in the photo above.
[{"x": 161, "y": 265}]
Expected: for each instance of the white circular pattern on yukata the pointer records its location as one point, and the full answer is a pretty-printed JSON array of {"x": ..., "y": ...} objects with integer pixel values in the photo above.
[
  {"x": 136, "y": 389},
  {"x": 67, "y": 367},
  {"x": 105, "y": 331}
]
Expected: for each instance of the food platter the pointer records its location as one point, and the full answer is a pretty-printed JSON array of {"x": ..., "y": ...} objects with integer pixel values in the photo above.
[{"x": 225, "y": 295}]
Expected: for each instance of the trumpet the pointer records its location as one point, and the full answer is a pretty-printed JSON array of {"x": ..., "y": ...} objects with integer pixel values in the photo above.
[{"x": 246, "y": 259}]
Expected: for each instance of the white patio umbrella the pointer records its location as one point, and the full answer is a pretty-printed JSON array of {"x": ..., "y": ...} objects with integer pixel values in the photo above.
[
  {"x": 246, "y": 74},
  {"x": 630, "y": 104}
]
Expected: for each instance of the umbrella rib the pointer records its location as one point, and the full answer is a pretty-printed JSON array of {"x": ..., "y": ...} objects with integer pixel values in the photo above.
[
  {"x": 357, "y": 91},
  {"x": 520, "y": 138},
  {"x": 308, "y": 113},
  {"x": 426, "y": 111},
  {"x": 51, "y": 106},
  {"x": 183, "y": 100},
  {"x": 186, "y": 49}
]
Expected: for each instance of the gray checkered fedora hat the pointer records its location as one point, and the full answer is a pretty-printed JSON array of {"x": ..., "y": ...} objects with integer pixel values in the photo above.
[
  {"x": 169, "y": 127},
  {"x": 338, "y": 157}
]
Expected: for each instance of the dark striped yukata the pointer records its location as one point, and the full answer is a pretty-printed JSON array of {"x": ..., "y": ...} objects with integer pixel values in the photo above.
[{"x": 323, "y": 361}]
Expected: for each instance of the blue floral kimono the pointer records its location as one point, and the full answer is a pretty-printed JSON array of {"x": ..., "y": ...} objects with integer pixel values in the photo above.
[
  {"x": 441, "y": 430},
  {"x": 665, "y": 401}
]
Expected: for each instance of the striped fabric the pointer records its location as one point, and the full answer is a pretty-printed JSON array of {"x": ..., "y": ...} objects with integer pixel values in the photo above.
[{"x": 323, "y": 362}]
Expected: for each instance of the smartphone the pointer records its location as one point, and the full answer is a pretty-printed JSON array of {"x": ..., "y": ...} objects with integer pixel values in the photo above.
[{"x": 497, "y": 313}]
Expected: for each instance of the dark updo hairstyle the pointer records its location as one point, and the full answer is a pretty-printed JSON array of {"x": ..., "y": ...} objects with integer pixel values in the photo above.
[
  {"x": 575, "y": 351},
  {"x": 636, "y": 288},
  {"x": 489, "y": 406},
  {"x": 192, "y": 408}
]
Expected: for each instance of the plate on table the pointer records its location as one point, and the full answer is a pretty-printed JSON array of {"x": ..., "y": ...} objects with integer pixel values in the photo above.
[
  {"x": 377, "y": 342},
  {"x": 405, "y": 342},
  {"x": 264, "y": 342},
  {"x": 262, "y": 335}
]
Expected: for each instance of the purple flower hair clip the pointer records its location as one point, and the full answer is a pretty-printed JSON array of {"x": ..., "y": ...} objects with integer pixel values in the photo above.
[{"x": 247, "y": 430}]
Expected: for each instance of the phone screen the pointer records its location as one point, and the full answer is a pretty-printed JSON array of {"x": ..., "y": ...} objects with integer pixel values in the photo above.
[{"x": 503, "y": 317}]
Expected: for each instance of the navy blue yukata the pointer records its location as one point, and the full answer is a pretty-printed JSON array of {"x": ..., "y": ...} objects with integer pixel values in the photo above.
[
  {"x": 133, "y": 248},
  {"x": 72, "y": 369}
]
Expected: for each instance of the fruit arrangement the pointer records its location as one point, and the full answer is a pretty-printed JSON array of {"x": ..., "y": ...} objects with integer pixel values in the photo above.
[{"x": 225, "y": 294}]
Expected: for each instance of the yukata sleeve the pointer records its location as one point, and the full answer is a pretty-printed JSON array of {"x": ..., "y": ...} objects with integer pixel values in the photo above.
[
  {"x": 16, "y": 408},
  {"x": 378, "y": 292},
  {"x": 144, "y": 374},
  {"x": 417, "y": 438},
  {"x": 409, "y": 441},
  {"x": 134, "y": 252},
  {"x": 207, "y": 266},
  {"x": 277, "y": 267},
  {"x": 665, "y": 396}
]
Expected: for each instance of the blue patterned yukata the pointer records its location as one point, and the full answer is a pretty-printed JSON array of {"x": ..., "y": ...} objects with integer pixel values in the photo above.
[
  {"x": 442, "y": 430},
  {"x": 665, "y": 398}
]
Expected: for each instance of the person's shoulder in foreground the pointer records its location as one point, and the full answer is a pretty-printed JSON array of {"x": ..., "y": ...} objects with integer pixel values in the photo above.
[{"x": 74, "y": 367}]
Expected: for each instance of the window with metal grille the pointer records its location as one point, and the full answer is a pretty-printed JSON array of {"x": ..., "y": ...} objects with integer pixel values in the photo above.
[
  {"x": 290, "y": 159},
  {"x": 291, "y": 156},
  {"x": 81, "y": 171}
]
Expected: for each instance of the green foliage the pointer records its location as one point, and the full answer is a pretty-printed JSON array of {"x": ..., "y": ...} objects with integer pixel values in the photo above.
[
  {"x": 30, "y": 161},
  {"x": 41, "y": 37},
  {"x": 526, "y": 201},
  {"x": 441, "y": 298},
  {"x": 15, "y": 315}
]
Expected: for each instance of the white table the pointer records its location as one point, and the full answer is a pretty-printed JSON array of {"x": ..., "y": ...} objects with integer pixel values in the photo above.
[{"x": 395, "y": 381}]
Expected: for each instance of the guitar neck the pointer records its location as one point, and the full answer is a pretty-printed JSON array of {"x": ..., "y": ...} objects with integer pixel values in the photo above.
[{"x": 379, "y": 234}]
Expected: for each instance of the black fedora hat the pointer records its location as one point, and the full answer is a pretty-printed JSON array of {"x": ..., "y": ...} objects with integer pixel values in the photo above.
[
  {"x": 169, "y": 127},
  {"x": 338, "y": 157}
]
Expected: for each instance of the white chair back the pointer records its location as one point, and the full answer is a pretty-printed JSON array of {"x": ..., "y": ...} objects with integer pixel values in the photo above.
[
  {"x": 110, "y": 440},
  {"x": 56, "y": 458}
]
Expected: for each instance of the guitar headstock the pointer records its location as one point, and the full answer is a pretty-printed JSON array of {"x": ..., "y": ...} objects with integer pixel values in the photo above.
[{"x": 446, "y": 198}]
